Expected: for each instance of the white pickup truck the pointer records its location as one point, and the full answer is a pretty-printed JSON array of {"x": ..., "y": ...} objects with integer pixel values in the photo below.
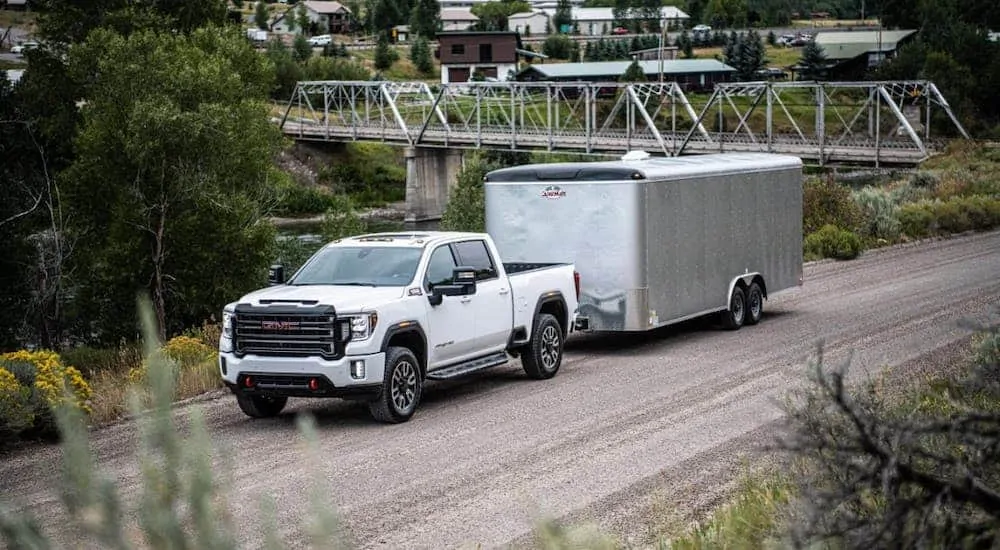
[{"x": 371, "y": 317}]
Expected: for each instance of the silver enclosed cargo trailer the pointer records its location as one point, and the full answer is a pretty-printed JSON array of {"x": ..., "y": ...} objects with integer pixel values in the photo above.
[{"x": 657, "y": 240}]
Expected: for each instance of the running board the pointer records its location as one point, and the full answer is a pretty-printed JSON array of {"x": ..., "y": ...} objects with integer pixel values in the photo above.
[{"x": 469, "y": 367}]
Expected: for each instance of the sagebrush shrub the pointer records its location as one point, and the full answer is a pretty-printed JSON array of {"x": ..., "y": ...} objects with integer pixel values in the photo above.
[
  {"x": 924, "y": 180},
  {"x": 880, "y": 211},
  {"x": 43, "y": 383}
]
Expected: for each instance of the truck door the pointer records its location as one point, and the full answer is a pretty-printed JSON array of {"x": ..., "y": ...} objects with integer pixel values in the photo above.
[
  {"x": 493, "y": 300},
  {"x": 451, "y": 326}
]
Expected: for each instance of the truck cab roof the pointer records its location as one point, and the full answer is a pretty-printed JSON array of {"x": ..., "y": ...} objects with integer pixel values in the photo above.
[{"x": 418, "y": 239}]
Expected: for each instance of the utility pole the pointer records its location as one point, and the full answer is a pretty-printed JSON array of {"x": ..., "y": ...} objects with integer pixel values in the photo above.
[{"x": 663, "y": 40}]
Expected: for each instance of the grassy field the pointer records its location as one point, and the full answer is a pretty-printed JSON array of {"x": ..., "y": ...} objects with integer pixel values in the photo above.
[
  {"x": 776, "y": 57},
  {"x": 14, "y": 18},
  {"x": 833, "y": 23}
]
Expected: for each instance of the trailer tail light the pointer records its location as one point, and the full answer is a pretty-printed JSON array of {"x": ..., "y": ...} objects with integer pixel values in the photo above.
[{"x": 576, "y": 283}]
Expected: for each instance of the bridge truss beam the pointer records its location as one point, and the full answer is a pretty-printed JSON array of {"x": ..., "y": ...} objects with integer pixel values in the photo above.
[{"x": 879, "y": 121}]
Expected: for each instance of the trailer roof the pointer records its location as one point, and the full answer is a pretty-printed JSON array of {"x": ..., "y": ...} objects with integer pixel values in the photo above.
[{"x": 651, "y": 168}]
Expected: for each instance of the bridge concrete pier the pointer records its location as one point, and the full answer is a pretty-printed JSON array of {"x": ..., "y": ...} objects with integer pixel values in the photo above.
[{"x": 431, "y": 173}]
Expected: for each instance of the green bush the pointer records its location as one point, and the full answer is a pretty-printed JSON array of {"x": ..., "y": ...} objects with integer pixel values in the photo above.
[
  {"x": 831, "y": 241},
  {"x": 826, "y": 202},
  {"x": 916, "y": 220},
  {"x": 924, "y": 180},
  {"x": 466, "y": 209},
  {"x": 299, "y": 200},
  {"x": 926, "y": 218}
]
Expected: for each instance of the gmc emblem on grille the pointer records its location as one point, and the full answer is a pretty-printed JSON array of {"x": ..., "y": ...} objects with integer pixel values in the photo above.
[{"x": 278, "y": 325}]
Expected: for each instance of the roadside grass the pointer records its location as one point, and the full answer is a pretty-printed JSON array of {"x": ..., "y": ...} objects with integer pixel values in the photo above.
[
  {"x": 776, "y": 56},
  {"x": 403, "y": 69},
  {"x": 6, "y": 64}
]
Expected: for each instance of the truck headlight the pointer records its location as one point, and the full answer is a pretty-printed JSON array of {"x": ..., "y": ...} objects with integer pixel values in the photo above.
[
  {"x": 226, "y": 338},
  {"x": 362, "y": 325},
  {"x": 227, "y": 323}
]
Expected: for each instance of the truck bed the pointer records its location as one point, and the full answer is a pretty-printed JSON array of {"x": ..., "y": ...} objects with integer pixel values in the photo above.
[{"x": 515, "y": 268}]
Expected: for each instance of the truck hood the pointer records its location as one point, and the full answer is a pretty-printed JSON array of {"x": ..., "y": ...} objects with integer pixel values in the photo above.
[{"x": 347, "y": 299}]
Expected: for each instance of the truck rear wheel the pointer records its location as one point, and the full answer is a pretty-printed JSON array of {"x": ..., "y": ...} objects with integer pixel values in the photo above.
[
  {"x": 402, "y": 387},
  {"x": 733, "y": 318},
  {"x": 260, "y": 406},
  {"x": 543, "y": 354},
  {"x": 755, "y": 304}
]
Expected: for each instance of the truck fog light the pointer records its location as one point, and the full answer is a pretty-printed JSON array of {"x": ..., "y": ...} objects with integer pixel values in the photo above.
[{"x": 358, "y": 369}]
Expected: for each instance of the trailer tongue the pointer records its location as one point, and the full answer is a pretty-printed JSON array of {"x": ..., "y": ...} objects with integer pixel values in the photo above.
[{"x": 657, "y": 240}]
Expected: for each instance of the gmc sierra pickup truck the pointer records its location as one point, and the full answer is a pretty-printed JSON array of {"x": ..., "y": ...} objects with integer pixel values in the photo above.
[{"x": 371, "y": 317}]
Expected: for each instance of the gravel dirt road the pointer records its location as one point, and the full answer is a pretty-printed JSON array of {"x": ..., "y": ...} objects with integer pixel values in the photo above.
[{"x": 628, "y": 424}]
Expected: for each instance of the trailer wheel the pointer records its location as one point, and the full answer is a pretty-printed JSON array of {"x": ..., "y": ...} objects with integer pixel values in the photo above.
[
  {"x": 732, "y": 318},
  {"x": 755, "y": 304},
  {"x": 543, "y": 354}
]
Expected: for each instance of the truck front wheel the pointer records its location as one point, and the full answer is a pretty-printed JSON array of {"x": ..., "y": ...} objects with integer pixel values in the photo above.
[
  {"x": 260, "y": 406},
  {"x": 543, "y": 354},
  {"x": 402, "y": 386}
]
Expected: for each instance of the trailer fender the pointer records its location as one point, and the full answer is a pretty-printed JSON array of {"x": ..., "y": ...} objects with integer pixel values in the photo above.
[{"x": 743, "y": 280}]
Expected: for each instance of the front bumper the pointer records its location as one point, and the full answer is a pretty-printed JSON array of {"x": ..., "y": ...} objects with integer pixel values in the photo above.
[{"x": 303, "y": 376}]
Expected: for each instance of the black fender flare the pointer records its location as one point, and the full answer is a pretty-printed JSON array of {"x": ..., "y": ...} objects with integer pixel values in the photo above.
[
  {"x": 407, "y": 327},
  {"x": 553, "y": 297}
]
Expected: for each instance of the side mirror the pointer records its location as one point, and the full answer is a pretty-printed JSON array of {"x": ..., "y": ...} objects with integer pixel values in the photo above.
[
  {"x": 276, "y": 275},
  {"x": 463, "y": 284}
]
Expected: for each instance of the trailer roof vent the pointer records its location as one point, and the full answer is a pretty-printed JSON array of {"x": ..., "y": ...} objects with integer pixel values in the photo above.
[{"x": 632, "y": 156}]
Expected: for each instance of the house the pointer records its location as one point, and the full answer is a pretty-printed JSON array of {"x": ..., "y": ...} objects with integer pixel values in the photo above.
[
  {"x": 669, "y": 52},
  {"x": 597, "y": 21},
  {"x": 324, "y": 18},
  {"x": 850, "y": 54},
  {"x": 457, "y": 19},
  {"x": 401, "y": 33},
  {"x": 529, "y": 23},
  {"x": 691, "y": 74},
  {"x": 490, "y": 54},
  {"x": 535, "y": 4},
  {"x": 19, "y": 5}
]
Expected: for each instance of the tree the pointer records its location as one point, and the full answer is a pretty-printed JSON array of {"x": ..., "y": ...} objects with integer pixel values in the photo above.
[
  {"x": 425, "y": 19},
  {"x": 563, "y": 18},
  {"x": 466, "y": 208},
  {"x": 745, "y": 53},
  {"x": 301, "y": 49},
  {"x": 302, "y": 18},
  {"x": 684, "y": 43},
  {"x": 172, "y": 177},
  {"x": 420, "y": 55},
  {"x": 262, "y": 15},
  {"x": 813, "y": 62},
  {"x": 69, "y": 21},
  {"x": 633, "y": 73},
  {"x": 493, "y": 15},
  {"x": 385, "y": 56}
]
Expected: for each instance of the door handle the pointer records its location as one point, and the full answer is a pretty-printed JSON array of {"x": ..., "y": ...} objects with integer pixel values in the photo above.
[
  {"x": 504, "y": 291},
  {"x": 465, "y": 300}
]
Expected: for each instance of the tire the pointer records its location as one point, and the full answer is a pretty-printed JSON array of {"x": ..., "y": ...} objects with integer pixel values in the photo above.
[
  {"x": 542, "y": 356},
  {"x": 754, "y": 304},
  {"x": 402, "y": 387},
  {"x": 734, "y": 317},
  {"x": 261, "y": 406}
]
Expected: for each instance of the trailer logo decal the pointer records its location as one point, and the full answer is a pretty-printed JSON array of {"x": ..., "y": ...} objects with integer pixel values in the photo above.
[{"x": 553, "y": 192}]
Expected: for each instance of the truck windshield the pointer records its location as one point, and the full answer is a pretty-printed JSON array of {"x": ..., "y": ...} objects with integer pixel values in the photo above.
[{"x": 360, "y": 266}]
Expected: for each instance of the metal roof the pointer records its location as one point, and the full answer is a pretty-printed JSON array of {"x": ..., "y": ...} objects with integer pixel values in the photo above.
[
  {"x": 851, "y": 44},
  {"x": 606, "y": 14},
  {"x": 651, "y": 168},
  {"x": 617, "y": 68}
]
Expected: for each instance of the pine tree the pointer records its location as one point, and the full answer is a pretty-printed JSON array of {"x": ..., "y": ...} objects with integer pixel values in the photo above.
[
  {"x": 384, "y": 57},
  {"x": 261, "y": 15},
  {"x": 425, "y": 19},
  {"x": 420, "y": 55},
  {"x": 813, "y": 62},
  {"x": 563, "y": 15},
  {"x": 633, "y": 73}
]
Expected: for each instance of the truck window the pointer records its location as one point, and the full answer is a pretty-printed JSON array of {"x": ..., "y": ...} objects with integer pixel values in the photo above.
[
  {"x": 360, "y": 265},
  {"x": 441, "y": 266},
  {"x": 475, "y": 254}
]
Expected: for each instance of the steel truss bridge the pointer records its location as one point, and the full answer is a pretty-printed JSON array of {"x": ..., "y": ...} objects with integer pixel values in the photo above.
[{"x": 892, "y": 122}]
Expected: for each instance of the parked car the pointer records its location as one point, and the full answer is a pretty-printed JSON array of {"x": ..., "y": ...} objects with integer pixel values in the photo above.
[
  {"x": 371, "y": 317},
  {"x": 24, "y": 46},
  {"x": 320, "y": 40}
]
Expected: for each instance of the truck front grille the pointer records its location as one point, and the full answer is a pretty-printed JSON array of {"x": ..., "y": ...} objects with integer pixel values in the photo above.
[{"x": 280, "y": 332}]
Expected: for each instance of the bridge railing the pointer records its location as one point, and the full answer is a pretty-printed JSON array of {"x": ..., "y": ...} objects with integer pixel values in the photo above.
[{"x": 822, "y": 120}]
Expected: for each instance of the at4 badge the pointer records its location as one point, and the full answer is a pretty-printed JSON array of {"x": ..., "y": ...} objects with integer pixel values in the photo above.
[{"x": 553, "y": 192}]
